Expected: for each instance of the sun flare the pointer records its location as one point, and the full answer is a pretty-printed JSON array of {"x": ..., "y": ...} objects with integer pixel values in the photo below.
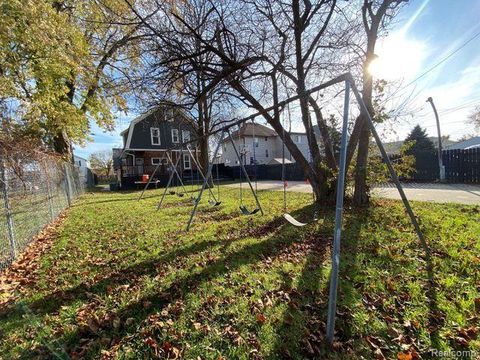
[{"x": 398, "y": 57}]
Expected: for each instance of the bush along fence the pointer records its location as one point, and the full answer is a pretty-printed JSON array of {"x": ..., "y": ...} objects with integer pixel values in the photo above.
[{"x": 34, "y": 192}]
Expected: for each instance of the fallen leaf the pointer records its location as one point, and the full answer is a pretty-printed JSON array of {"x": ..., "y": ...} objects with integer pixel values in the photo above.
[
  {"x": 404, "y": 356},
  {"x": 261, "y": 318}
]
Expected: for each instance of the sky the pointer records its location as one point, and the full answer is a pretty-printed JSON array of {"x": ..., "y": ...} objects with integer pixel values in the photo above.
[
  {"x": 421, "y": 57},
  {"x": 425, "y": 40}
]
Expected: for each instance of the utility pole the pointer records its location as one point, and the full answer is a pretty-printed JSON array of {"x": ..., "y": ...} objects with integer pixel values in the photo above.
[{"x": 440, "y": 162}]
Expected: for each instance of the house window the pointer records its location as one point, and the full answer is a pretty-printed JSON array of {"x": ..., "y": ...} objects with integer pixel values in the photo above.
[
  {"x": 186, "y": 135},
  {"x": 186, "y": 162},
  {"x": 155, "y": 136},
  {"x": 156, "y": 160},
  {"x": 175, "y": 136},
  {"x": 266, "y": 152},
  {"x": 255, "y": 141},
  {"x": 299, "y": 139},
  {"x": 266, "y": 139},
  {"x": 170, "y": 115}
]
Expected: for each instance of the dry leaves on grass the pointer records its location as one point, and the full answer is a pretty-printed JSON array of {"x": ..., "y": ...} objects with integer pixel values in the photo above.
[{"x": 22, "y": 274}]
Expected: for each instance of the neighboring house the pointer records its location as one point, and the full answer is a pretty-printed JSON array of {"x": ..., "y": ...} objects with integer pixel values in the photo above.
[
  {"x": 261, "y": 145},
  {"x": 83, "y": 169},
  {"x": 148, "y": 140},
  {"x": 472, "y": 143}
]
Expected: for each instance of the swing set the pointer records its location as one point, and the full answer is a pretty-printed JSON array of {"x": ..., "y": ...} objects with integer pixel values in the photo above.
[{"x": 349, "y": 82}]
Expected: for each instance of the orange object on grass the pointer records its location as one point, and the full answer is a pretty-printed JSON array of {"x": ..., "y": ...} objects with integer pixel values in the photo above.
[{"x": 145, "y": 177}]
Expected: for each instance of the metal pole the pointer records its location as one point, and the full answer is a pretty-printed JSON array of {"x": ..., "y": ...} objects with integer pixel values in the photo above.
[
  {"x": 175, "y": 170},
  {"x": 166, "y": 188},
  {"x": 49, "y": 193},
  {"x": 245, "y": 171},
  {"x": 209, "y": 173},
  {"x": 332, "y": 299},
  {"x": 8, "y": 213},
  {"x": 67, "y": 186},
  {"x": 149, "y": 180},
  {"x": 439, "y": 149},
  {"x": 200, "y": 172},
  {"x": 393, "y": 174}
]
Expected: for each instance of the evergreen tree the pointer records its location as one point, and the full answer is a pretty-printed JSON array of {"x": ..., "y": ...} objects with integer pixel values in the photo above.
[
  {"x": 420, "y": 142},
  {"x": 425, "y": 153}
]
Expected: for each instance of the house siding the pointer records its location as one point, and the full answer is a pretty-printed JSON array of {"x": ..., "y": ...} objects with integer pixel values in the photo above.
[
  {"x": 274, "y": 145},
  {"x": 141, "y": 138},
  {"x": 302, "y": 146}
]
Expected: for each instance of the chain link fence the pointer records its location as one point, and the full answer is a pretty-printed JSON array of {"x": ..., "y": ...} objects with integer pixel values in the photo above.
[{"x": 34, "y": 192}]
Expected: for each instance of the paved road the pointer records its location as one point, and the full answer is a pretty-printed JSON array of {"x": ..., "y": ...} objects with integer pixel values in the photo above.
[{"x": 441, "y": 193}]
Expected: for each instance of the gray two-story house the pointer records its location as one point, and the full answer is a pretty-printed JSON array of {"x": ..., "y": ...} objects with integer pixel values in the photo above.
[
  {"x": 148, "y": 140},
  {"x": 261, "y": 145}
]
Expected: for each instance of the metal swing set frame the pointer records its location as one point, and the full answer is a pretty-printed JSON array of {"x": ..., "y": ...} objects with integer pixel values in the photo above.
[{"x": 346, "y": 78}]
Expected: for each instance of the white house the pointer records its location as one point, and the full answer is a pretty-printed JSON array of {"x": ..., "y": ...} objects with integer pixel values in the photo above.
[
  {"x": 83, "y": 167},
  {"x": 261, "y": 145}
]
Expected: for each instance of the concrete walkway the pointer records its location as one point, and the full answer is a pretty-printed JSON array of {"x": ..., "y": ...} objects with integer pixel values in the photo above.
[{"x": 441, "y": 193}]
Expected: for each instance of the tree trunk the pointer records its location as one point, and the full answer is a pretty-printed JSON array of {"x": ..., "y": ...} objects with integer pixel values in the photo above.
[
  {"x": 320, "y": 191},
  {"x": 361, "y": 193},
  {"x": 62, "y": 145}
]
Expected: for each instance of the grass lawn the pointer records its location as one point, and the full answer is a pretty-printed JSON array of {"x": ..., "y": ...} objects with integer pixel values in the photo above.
[{"x": 122, "y": 280}]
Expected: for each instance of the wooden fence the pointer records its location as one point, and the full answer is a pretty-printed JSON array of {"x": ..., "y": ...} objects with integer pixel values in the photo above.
[{"x": 462, "y": 166}]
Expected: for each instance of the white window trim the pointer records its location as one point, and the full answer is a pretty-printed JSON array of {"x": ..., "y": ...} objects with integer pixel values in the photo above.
[
  {"x": 152, "y": 136},
  {"x": 187, "y": 156},
  {"x": 156, "y": 158},
  {"x": 175, "y": 131}
]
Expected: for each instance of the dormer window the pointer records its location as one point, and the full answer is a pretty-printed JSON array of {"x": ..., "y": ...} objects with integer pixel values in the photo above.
[
  {"x": 170, "y": 115},
  {"x": 155, "y": 136},
  {"x": 175, "y": 138},
  {"x": 186, "y": 135}
]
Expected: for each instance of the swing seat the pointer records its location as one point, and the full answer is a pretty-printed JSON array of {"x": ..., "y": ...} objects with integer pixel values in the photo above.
[
  {"x": 245, "y": 211},
  {"x": 171, "y": 192},
  {"x": 292, "y": 220},
  {"x": 214, "y": 203},
  {"x": 180, "y": 194}
]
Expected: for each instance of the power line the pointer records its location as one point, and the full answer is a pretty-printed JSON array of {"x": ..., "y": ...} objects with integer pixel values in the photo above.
[{"x": 442, "y": 61}]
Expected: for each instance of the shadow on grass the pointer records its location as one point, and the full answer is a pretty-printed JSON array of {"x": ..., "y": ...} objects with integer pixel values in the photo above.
[
  {"x": 353, "y": 292},
  {"x": 181, "y": 286},
  {"x": 301, "y": 331}
]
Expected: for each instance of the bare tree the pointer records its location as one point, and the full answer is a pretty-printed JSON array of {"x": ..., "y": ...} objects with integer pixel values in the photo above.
[
  {"x": 101, "y": 162},
  {"x": 234, "y": 44},
  {"x": 375, "y": 17},
  {"x": 475, "y": 118}
]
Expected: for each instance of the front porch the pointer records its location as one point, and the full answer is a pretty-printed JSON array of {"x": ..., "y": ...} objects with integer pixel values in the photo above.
[{"x": 136, "y": 167}]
